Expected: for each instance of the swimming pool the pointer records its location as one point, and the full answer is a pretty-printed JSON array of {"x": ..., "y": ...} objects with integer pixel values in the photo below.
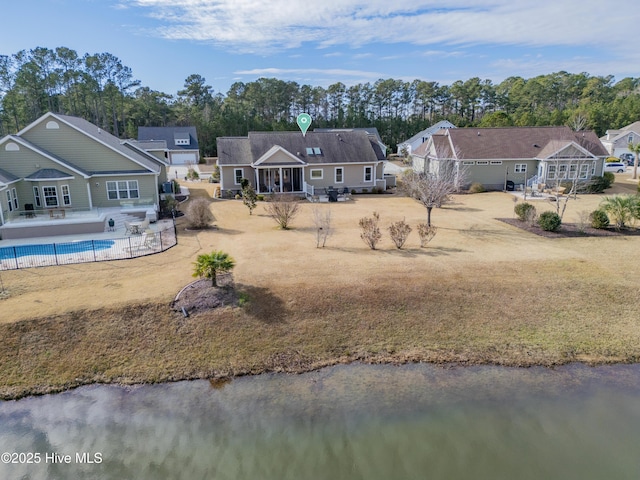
[{"x": 7, "y": 253}]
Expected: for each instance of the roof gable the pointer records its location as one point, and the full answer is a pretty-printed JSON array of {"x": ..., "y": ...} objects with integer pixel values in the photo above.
[{"x": 277, "y": 155}]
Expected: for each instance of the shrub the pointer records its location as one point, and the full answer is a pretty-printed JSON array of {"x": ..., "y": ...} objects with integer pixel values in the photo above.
[
  {"x": 477, "y": 188},
  {"x": 198, "y": 213},
  {"x": 192, "y": 174},
  {"x": 426, "y": 233},
  {"x": 549, "y": 221},
  {"x": 599, "y": 219},
  {"x": 322, "y": 222},
  {"x": 399, "y": 232},
  {"x": 600, "y": 184},
  {"x": 623, "y": 209},
  {"x": 260, "y": 197},
  {"x": 370, "y": 231},
  {"x": 282, "y": 208},
  {"x": 353, "y": 191},
  {"x": 364, "y": 190},
  {"x": 524, "y": 211}
]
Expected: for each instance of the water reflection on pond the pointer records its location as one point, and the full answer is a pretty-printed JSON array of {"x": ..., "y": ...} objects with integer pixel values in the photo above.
[{"x": 344, "y": 422}]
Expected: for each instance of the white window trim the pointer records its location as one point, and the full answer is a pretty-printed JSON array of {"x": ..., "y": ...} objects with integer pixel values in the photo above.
[
  {"x": 584, "y": 171},
  {"x": 496, "y": 162},
  {"x": 335, "y": 175},
  {"x": 316, "y": 170},
  {"x": 16, "y": 204},
  {"x": 482, "y": 162},
  {"x": 65, "y": 196},
  {"x": 235, "y": 175},
  {"x": 44, "y": 196},
  {"x": 9, "y": 200},
  {"x": 117, "y": 189},
  {"x": 573, "y": 171},
  {"x": 520, "y": 168},
  {"x": 468, "y": 162},
  {"x": 551, "y": 172},
  {"x": 370, "y": 168},
  {"x": 36, "y": 197}
]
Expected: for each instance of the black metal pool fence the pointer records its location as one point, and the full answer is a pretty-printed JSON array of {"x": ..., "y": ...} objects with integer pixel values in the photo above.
[{"x": 84, "y": 251}]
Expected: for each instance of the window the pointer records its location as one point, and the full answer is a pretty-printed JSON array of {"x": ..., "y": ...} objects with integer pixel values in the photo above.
[
  {"x": 468, "y": 162},
  {"x": 182, "y": 141},
  {"x": 368, "y": 174},
  {"x": 9, "y": 201},
  {"x": 66, "y": 195},
  {"x": 584, "y": 171},
  {"x": 562, "y": 171},
  {"x": 339, "y": 175},
  {"x": 551, "y": 174},
  {"x": 520, "y": 168},
  {"x": 496, "y": 162},
  {"x": 317, "y": 151},
  {"x": 316, "y": 174},
  {"x": 573, "y": 169},
  {"x": 15, "y": 198},
  {"x": 36, "y": 196},
  {"x": 309, "y": 151},
  {"x": 122, "y": 189},
  {"x": 630, "y": 139},
  {"x": 50, "y": 195},
  {"x": 484, "y": 162},
  {"x": 238, "y": 174}
]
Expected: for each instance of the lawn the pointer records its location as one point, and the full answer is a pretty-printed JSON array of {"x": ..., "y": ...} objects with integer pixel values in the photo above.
[{"x": 481, "y": 292}]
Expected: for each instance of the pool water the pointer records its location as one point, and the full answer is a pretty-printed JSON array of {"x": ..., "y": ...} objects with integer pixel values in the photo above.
[{"x": 54, "y": 248}]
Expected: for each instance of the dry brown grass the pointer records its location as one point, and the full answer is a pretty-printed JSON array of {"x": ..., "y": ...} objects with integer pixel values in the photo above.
[{"x": 482, "y": 291}]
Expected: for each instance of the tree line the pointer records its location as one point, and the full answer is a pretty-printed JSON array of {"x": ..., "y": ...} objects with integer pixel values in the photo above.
[{"x": 99, "y": 88}]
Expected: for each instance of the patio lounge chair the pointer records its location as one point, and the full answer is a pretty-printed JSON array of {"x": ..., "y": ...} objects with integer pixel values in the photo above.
[{"x": 128, "y": 229}]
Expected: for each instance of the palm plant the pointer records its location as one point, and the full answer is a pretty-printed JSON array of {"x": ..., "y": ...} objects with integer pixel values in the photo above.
[
  {"x": 621, "y": 208},
  {"x": 212, "y": 264}
]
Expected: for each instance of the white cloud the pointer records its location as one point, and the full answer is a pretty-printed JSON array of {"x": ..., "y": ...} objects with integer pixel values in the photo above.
[{"x": 261, "y": 27}]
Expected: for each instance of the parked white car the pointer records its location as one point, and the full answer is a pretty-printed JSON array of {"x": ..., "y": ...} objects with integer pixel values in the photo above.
[{"x": 615, "y": 167}]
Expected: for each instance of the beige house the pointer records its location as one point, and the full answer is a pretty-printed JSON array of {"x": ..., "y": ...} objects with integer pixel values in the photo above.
[
  {"x": 512, "y": 157},
  {"x": 289, "y": 162},
  {"x": 64, "y": 175}
]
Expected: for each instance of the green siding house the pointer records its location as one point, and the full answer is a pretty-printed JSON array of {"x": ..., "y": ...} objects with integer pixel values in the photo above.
[
  {"x": 513, "y": 157},
  {"x": 64, "y": 175}
]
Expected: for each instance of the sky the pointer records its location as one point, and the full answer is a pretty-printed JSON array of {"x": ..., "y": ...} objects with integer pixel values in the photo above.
[{"x": 324, "y": 42}]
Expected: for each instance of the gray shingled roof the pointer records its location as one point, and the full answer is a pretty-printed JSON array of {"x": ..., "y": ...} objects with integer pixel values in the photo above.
[
  {"x": 336, "y": 147},
  {"x": 169, "y": 135},
  {"x": 516, "y": 142},
  {"x": 48, "y": 174},
  {"x": 112, "y": 141},
  {"x": 6, "y": 177}
]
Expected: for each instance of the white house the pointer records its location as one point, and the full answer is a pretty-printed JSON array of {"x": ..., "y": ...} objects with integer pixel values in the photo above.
[
  {"x": 617, "y": 141},
  {"x": 419, "y": 138}
]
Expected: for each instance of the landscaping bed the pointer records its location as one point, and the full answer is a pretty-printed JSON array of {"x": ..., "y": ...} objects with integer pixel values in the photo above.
[{"x": 571, "y": 230}]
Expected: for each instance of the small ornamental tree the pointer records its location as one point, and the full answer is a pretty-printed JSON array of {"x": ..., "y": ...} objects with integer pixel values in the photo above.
[
  {"x": 213, "y": 264},
  {"x": 426, "y": 233},
  {"x": 249, "y": 198},
  {"x": 322, "y": 222},
  {"x": 370, "y": 230},
  {"x": 399, "y": 232},
  {"x": 282, "y": 208}
]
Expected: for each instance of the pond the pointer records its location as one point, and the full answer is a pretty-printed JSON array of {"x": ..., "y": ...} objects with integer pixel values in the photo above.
[{"x": 345, "y": 422}]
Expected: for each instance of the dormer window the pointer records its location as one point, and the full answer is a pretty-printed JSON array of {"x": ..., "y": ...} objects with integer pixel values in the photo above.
[{"x": 181, "y": 139}]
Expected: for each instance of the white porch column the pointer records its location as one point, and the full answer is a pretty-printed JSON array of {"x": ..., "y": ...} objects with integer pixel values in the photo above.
[{"x": 89, "y": 194}]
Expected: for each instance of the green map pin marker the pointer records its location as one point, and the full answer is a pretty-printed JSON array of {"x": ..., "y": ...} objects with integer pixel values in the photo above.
[{"x": 304, "y": 122}]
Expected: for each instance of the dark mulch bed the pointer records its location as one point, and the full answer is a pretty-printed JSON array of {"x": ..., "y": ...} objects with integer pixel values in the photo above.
[
  {"x": 200, "y": 296},
  {"x": 571, "y": 230}
]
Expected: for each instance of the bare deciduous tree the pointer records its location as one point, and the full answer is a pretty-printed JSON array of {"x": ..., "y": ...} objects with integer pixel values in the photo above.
[
  {"x": 322, "y": 222},
  {"x": 282, "y": 208},
  {"x": 432, "y": 189},
  {"x": 399, "y": 232},
  {"x": 370, "y": 230}
]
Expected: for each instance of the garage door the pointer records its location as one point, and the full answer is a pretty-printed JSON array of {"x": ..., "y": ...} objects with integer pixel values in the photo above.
[{"x": 183, "y": 158}]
